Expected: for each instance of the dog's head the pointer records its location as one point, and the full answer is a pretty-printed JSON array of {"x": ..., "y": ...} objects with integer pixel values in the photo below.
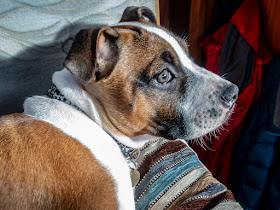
[{"x": 143, "y": 80}]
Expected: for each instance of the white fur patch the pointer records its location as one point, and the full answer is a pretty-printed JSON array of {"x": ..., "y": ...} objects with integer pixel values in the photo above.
[{"x": 71, "y": 89}]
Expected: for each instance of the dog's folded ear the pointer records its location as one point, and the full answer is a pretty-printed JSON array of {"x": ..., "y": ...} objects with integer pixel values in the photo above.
[
  {"x": 138, "y": 14},
  {"x": 93, "y": 54}
]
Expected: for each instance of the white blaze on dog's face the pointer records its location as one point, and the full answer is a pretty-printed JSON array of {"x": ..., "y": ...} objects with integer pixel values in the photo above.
[{"x": 143, "y": 81}]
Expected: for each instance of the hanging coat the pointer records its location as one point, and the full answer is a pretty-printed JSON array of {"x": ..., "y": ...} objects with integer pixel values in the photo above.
[
  {"x": 255, "y": 168},
  {"x": 238, "y": 53}
]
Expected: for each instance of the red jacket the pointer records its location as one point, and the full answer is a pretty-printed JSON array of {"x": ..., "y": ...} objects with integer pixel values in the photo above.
[{"x": 238, "y": 52}]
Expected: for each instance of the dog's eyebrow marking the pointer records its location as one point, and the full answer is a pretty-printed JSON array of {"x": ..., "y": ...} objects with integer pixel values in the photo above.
[
  {"x": 143, "y": 79},
  {"x": 183, "y": 58},
  {"x": 167, "y": 57}
]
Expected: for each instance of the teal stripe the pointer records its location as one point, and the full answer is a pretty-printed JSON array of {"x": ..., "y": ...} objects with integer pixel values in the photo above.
[
  {"x": 166, "y": 162},
  {"x": 165, "y": 180}
]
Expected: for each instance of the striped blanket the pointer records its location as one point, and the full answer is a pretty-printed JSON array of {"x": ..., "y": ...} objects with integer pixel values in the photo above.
[{"x": 172, "y": 177}]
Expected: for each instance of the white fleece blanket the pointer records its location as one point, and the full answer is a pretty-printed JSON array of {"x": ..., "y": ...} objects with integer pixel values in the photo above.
[
  {"x": 28, "y": 23},
  {"x": 35, "y": 37}
]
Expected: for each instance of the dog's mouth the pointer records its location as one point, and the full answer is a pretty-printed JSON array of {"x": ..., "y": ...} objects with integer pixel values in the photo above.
[
  {"x": 212, "y": 114},
  {"x": 208, "y": 119},
  {"x": 196, "y": 123},
  {"x": 211, "y": 125}
]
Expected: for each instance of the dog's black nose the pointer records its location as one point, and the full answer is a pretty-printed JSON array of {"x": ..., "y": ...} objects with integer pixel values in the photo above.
[{"x": 229, "y": 95}]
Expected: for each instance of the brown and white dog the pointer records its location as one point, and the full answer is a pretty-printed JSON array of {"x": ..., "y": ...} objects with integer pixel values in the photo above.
[{"x": 129, "y": 82}]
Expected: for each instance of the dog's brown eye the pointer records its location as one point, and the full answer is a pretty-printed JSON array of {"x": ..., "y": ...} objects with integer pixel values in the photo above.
[{"x": 164, "y": 77}]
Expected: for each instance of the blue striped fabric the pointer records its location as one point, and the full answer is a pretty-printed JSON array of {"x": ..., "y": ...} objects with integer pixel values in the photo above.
[
  {"x": 172, "y": 177},
  {"x": 166, "y": 180},
  {"x": 159, "y": 168}
]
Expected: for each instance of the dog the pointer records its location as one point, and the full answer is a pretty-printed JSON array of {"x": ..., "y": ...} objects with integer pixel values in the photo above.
[{"x": 127, "y": 83}]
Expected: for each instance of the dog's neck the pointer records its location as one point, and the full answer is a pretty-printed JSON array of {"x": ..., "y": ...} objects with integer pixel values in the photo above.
[
  {"x": 55, "y": 93},
  {"x": 74, "y": 94}
]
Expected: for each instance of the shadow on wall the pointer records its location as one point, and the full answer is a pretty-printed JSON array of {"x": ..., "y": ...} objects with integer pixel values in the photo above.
[{"x": 30, "y": 72}]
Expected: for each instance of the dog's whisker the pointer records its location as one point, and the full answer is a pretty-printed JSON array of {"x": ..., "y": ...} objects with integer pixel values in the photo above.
[
  {"x": 224, "y": 76},
  {"x": 214, "y": 134},
  {"x": 206, "y": 146},
  {"x": 206, "y": 136},
  {"x": 184, "y": 35},
  {"x": 199, "y": 142},
  {"x": 222, "y": 127},
  {"x": 188, "y": 36},
  {"x": 219, "y": 130},
  {"x": 211, "y": 139}
]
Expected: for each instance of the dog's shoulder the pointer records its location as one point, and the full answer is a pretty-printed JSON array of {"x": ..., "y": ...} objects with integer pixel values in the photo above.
[
  {"x": 17, "y": 127},
  {"x": 45, "y": 165},
  {"x": 14, "y": 125}
]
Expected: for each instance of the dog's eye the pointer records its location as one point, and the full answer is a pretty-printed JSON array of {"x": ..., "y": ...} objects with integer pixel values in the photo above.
[{"x": 164, "y": 77}]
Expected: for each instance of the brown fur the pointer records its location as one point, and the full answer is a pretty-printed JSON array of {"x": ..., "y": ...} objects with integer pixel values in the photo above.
[
  {"x": 126, "y": 108},
  {"x": 42, "y": 168}
]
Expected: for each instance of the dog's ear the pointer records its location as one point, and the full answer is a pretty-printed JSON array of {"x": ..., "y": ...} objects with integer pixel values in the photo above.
[
  {"x": 93, "y": 54},
  {"x": 138, "y": 14}
]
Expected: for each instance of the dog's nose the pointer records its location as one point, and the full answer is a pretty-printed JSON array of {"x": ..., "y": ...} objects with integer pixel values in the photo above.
[{"x": 229, "y": 95}]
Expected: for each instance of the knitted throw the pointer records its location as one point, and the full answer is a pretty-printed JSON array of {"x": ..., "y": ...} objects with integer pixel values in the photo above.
[{"x": 172, "y": 177}]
